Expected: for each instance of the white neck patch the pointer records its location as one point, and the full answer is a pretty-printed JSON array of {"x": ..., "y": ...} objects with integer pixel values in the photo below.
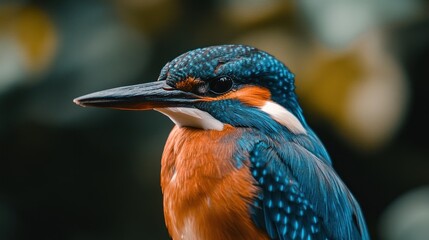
[
  {"x": 284, "y": 117},
  {"x": 191, "y": 117}
]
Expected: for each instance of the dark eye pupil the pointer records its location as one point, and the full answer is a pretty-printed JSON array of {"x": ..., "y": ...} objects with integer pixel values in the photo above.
[{"x": 221, "y": 85}]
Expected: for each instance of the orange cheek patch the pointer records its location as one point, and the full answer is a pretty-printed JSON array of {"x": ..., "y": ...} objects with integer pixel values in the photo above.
[
  {"x": 188, "y": 84},
  {"x": 252, "y": 96}
]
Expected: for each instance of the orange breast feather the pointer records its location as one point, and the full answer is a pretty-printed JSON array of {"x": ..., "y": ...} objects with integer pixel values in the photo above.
[{"x": 205, "y": 196}]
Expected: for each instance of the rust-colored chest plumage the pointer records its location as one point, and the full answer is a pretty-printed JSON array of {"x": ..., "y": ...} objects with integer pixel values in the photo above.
[{"x": 205, "y": 195}]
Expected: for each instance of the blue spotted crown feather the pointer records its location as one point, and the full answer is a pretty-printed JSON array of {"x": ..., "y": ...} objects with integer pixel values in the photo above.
[{"x": 241, "y": 62}]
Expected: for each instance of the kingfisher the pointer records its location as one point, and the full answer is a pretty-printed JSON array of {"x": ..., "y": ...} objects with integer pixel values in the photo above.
[{"x": 241, "y": 162}]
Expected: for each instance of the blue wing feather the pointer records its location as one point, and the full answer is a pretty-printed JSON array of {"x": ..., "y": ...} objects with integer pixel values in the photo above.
[{"x": 301, "y": 197}]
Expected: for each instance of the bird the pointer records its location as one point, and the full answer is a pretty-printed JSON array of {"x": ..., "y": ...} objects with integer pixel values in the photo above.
[{"x": 241, "y": 161}]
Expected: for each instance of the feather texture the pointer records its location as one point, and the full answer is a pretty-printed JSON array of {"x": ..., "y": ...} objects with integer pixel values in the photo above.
[
  {"x": 301, "y": 196},
  {"x": 205, "y": 195}
]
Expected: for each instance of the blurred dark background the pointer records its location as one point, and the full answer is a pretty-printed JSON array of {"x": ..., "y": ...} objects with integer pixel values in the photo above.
[{"x": 362, "y": 70}]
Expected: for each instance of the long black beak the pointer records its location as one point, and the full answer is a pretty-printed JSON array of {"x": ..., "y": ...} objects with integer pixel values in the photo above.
[{"x": 138, "y": 97}]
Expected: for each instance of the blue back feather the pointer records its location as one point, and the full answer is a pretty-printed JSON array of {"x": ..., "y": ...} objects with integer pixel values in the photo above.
[{"x": 301, "y": 196}]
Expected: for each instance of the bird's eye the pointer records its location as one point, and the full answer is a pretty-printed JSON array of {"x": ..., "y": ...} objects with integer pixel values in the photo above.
[{"x": 221, "y": 85}]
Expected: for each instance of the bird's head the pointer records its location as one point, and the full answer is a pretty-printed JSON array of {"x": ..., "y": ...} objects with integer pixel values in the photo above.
[{"x": 209, "y": 87}]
